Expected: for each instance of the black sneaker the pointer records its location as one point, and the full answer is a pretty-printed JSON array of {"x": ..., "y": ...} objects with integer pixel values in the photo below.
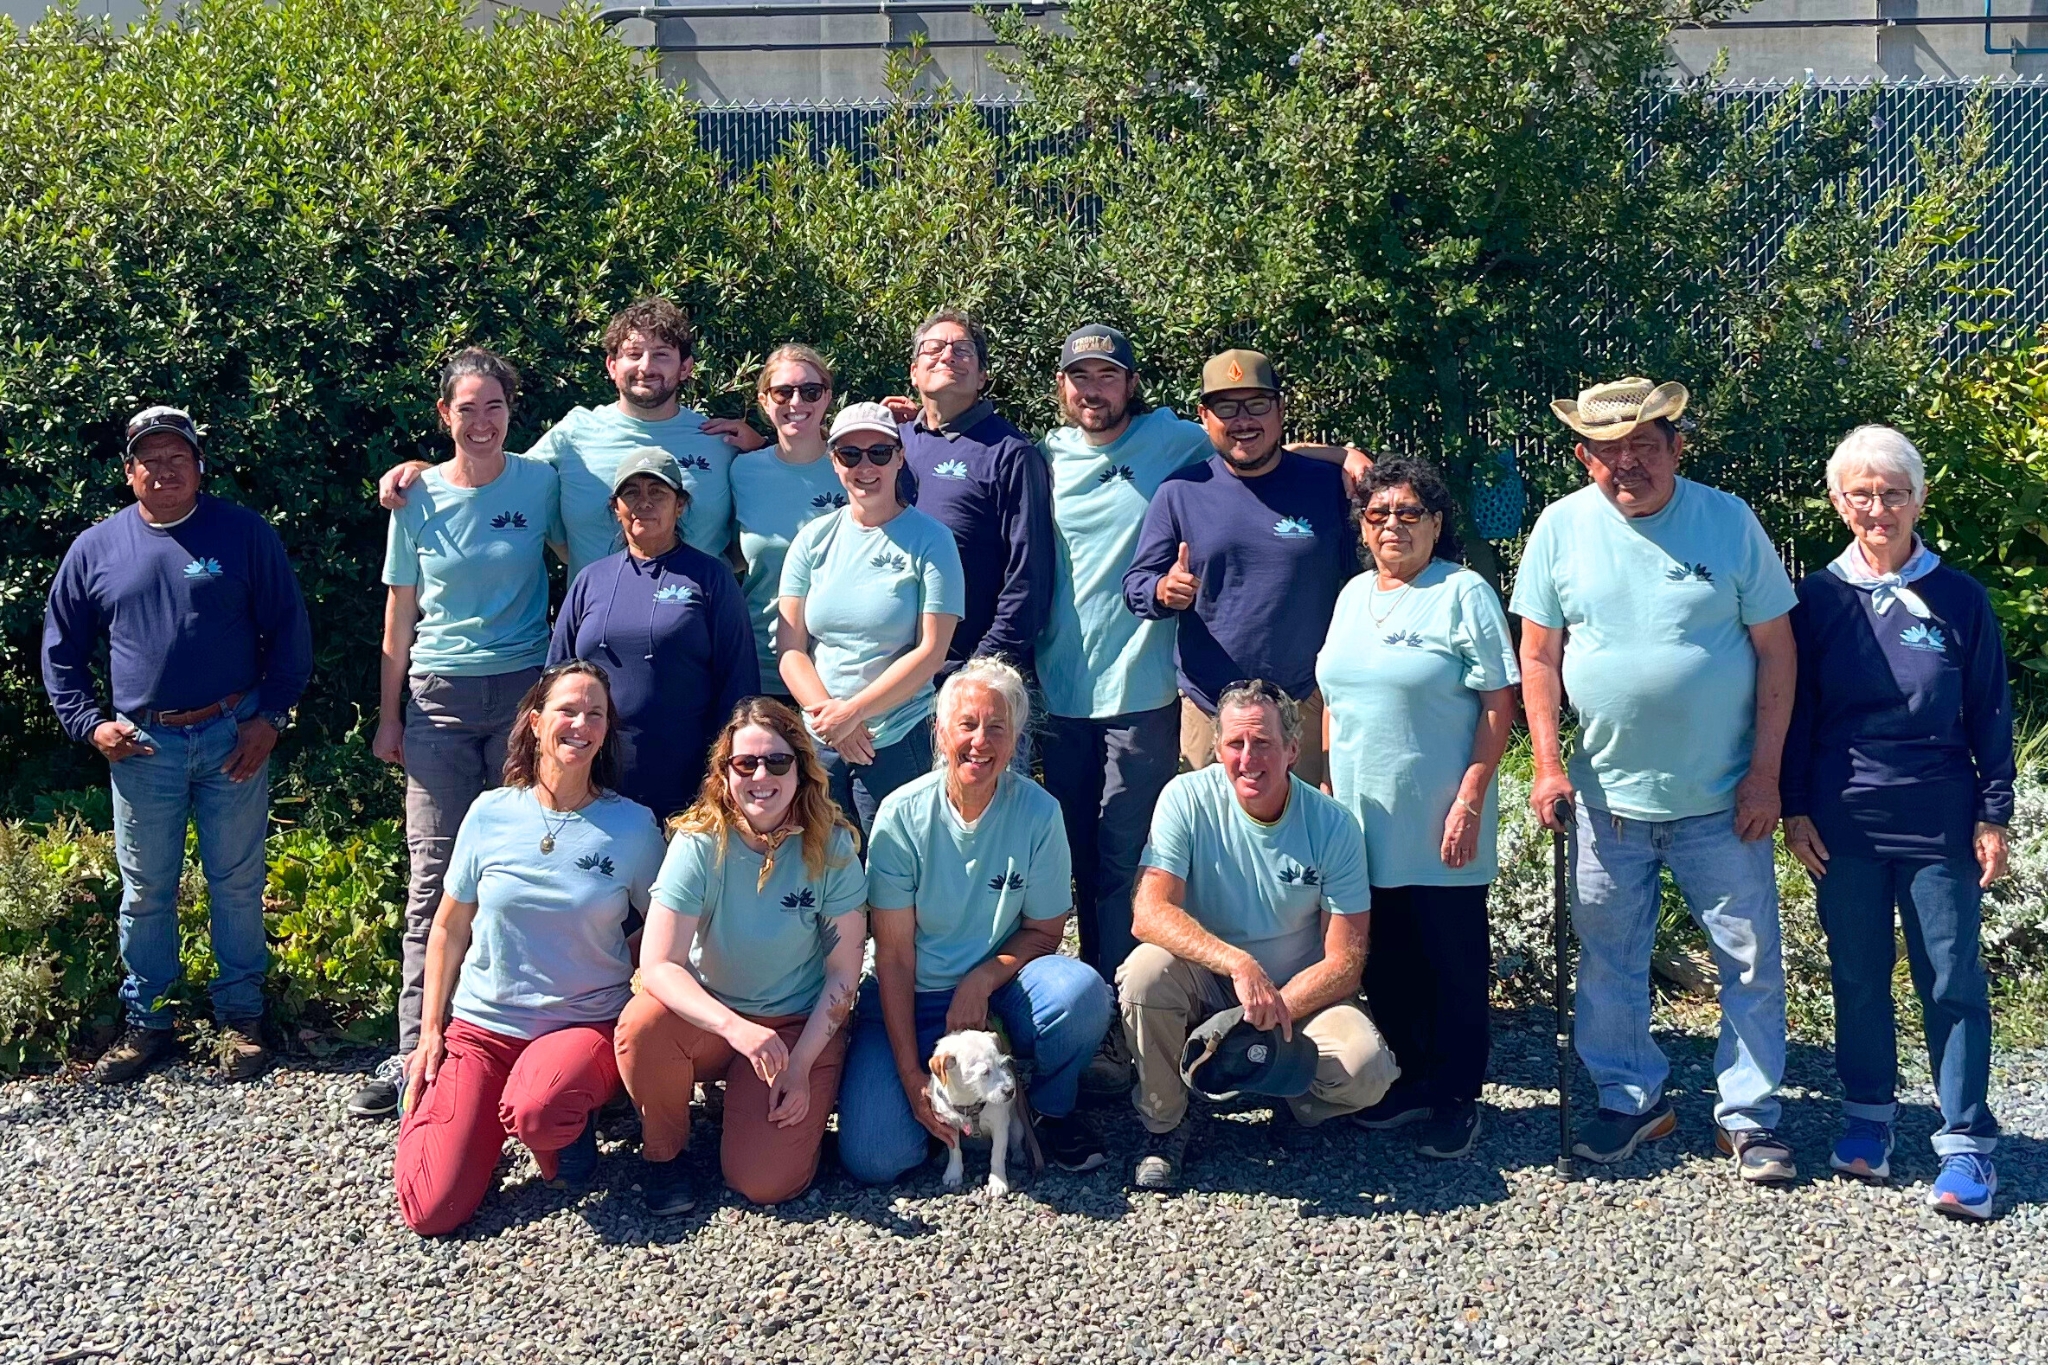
[
  {"x": 1614, "y": 1136},
  {"x": 240, "y": 1048},
  {"x": 666, "y": 1188},
  {"x": 1069, "y": 1142},
  {"x": 377, "y": 1097},
  {"x": 1450, "y": 1132},
  {"x": 133, "y": 1053},
  {"x": 1288, "y": 1132},
  {"x": 1395, "y": 1111},
  {"x": 576, "y": 1164},
  {"x": 1165, "y": 1153}
]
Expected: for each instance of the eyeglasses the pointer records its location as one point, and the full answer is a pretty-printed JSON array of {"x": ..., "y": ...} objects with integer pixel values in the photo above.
[
  {"x": 1892, "y": 498},
  {"x": 746, "y": 765},
  {"x": 782, "y": 393},
  {"x": 1227, "y": 408},
  {"x": 849, "y": 457},
  {"x": 1407, "y": 516},
  {"x": 959, "y": 350}
]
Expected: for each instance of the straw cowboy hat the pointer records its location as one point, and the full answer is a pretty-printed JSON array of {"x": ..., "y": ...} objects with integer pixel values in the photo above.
[{"x": 1608, "y": 412}]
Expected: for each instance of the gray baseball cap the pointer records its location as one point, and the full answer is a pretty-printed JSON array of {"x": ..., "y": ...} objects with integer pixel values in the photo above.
[{"x": 649, "y": 460}]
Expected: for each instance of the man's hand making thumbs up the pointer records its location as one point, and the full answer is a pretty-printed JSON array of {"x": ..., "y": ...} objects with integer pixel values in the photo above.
[{"x": 1177, "y": 587}]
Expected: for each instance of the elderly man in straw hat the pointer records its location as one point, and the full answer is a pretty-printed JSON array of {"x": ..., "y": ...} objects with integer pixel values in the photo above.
[{"x": 1661, "y": 607}]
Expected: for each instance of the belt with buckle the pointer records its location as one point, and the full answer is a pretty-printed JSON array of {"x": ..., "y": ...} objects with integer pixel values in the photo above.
[{"x": 178, "y": 720}]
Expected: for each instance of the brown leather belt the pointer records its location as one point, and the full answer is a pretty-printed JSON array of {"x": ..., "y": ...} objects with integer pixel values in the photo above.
[{"x": 178, "y": 720}]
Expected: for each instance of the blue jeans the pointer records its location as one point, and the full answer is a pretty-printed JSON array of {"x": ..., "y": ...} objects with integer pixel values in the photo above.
[
  {"x": 1731, "y": 888},
  {"x": 860, "y": 787},
  {"x": 1055, "y": 1010},
  {"x": 154, "y": 796},
  {"x": 1938, "y": 905}
]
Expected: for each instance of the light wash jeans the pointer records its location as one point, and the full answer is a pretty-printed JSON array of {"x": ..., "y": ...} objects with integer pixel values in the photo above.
[
  {"x": 155, "y": 795},
  {"x": 1732, "y": 890}
]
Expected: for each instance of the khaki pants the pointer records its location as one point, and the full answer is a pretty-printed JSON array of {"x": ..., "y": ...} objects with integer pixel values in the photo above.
[
  {"x": 1198, "y": 739},
  {"x": 1163, "y": 997}
]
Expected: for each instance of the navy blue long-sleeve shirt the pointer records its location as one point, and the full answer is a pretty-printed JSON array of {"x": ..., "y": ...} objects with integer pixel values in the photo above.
[
  {"x": 192, "y": 614},
  {"x": 673, "y": 634},
  {"x": 1901, "y": 735},
  {"x": 1271, "y": 552},
  {"x": 987, "y": 483}
]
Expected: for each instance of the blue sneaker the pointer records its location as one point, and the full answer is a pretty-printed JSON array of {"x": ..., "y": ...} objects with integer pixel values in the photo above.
[
  {"x": 1864, "y": 1150},
  {"x": 1966, "y": 1186},
  {"x": 576, "y": 1164}
]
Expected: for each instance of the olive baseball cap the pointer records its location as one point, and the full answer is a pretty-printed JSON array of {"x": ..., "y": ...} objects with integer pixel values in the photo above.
[
  {"x": 1239, "y": 370},
  {"x": 1225, "y": 1057},
  {"x": 649, "y": 460},
  {"x": 1098, "y": 341}
]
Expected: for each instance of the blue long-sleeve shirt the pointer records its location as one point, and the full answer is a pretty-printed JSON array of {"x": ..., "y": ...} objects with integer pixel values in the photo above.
[
  {"x": 673, "y": 634},
  {"x": 1901, "y": 735},
  {"x": 986, "y": 482},
  {"x": 1271, "y": 552},
  {"x": 192, "y": 614}
]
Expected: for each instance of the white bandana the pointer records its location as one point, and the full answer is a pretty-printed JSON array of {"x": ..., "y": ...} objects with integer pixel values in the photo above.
[{"x": 1851, "y": 567}]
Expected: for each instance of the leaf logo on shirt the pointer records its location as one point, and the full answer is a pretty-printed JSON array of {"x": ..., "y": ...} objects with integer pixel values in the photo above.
[
  {"x": 1689, "y": 573},
  {"x": 1294, "y": 528},
  {"x": 1006, "y": 881},
  {"x": 950, "y": 469},
  {"x": 676, "y": 592},
  {"x": 800, "y": 900},
  {"x": 1411, "y": 639},
  {"x": 1296, "y": 875},
  {"x": 204, "y": 568},
  {"x": 592, "y": 862},
  {"x": 895, "y": 563},
  {"x": 825, "y": 500},
  {"x": 509, "y": 521},
  {"x": 1923, "y": 637},
  {"x": 1115, "y": 472},
  {"x": 693, "y": 462}
]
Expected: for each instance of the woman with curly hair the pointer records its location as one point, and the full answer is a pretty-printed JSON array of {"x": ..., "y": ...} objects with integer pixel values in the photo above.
[{"x": 749, "y": 966}]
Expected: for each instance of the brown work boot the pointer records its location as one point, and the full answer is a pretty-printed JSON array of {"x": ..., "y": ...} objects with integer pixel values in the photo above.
[
  {"x": 239, "y": 1046},
  {"x": 133, "y": 1053}
]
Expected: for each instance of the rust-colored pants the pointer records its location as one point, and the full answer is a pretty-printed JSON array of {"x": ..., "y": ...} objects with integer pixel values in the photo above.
[{"x": 661, "y": 1059}]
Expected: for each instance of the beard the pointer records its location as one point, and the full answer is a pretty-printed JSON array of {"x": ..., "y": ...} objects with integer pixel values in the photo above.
[
  {"x": 648, "y": 393},
  {"x": 1250, "y": 462},
  {"x": 1102, "y": 418}
]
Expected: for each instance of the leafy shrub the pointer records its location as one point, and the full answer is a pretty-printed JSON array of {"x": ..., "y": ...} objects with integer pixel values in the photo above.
[{"x": 59, "y": 906}]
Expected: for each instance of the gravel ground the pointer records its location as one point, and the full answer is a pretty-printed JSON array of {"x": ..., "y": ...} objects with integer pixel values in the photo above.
[{"x": 187, "y": 1220}]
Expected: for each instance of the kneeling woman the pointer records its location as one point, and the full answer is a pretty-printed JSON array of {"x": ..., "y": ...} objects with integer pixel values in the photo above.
[
  {"x": 761, "y": 878},
  {"x": 528, "y": 953},
  {"x": 971, "y": 881}
]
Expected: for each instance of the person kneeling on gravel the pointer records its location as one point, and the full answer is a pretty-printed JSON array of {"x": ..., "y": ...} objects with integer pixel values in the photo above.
[{"x": 1255, "y": 894}]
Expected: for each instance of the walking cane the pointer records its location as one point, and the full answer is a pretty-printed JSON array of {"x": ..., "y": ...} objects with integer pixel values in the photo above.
[{"x": 1560, "y": 929}]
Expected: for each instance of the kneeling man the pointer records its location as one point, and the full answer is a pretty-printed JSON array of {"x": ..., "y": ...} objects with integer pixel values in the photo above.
[{"x": 1254, "y": 893}]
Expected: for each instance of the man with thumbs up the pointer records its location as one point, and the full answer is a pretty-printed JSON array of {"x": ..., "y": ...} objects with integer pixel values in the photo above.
[{"x": 1249, "y": 549}]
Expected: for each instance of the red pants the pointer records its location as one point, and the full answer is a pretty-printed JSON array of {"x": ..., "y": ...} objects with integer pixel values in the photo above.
[
  {"x": 541, "y": 1091},
  {"x": 662, "y": 1057}
]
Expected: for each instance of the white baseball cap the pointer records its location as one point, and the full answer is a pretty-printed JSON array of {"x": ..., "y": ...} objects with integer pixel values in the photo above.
[{"x": 865, "y": 417}]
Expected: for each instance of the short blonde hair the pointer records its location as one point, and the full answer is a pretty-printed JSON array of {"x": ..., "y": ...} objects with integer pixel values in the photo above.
[
  {"x": 1881, "y": 450},
  {"x": 992, "y": 675}
]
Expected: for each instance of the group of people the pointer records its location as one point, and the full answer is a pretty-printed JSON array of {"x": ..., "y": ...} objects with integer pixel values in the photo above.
[{"x": 794, "y": 699}]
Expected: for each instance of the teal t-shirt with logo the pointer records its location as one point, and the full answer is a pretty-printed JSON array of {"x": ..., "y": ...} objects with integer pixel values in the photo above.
[
  {"x": 1260, "y": 887},
  {"x": 970, "y": 887},
  {"x": 1658, "y": 662},
  {"x": 479, "y": 559},
  {"x": 864, "y": 589},
  {"x": 772, "y": 500},
  {"x": 1401, "y": 673},
  {"x": 585, "y": 448},
  {"x": 760, "y": 949},
  {"x": 548, "y": 945},
  {"x": 1095, "y": 658}
]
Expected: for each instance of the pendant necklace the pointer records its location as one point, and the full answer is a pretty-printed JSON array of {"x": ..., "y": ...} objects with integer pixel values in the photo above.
[{"x": 547, "y": 840}]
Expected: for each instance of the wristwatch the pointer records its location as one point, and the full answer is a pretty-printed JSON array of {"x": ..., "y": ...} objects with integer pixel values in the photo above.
[{"x": 280, "y": 721}]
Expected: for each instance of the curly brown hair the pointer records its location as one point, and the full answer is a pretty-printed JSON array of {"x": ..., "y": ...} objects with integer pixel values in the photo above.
[
  {"x": 522, "y": 749},
  {"x": 655, "y": 318},
  {"x": 813, "y": 812}
]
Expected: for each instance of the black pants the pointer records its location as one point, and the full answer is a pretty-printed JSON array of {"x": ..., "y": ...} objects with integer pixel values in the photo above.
[{"x": 1426, "y": 977}]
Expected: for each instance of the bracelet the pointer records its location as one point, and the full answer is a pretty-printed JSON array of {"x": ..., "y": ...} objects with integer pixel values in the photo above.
[{"x": 1461, "y": 801}]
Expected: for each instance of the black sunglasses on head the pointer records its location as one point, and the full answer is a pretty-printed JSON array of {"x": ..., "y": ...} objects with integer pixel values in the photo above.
[
  {"x": 849, "y": 457},
  {"x": 746, "y": 765}
]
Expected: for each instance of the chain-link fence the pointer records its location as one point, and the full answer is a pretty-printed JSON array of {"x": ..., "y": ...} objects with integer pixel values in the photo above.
[{"x": 2013, "y": 239}]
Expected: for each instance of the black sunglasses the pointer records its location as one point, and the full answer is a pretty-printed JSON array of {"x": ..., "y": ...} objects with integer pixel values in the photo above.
[
  {"x": 849, "y": 457},
  {"x": 746, "y": 765},
  {"x": 782, "y": 393}
]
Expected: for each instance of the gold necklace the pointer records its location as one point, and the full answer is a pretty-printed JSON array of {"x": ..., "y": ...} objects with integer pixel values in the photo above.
[
  {"x": 547, "y": 840},
  {"x": 1399, "y": 595}
]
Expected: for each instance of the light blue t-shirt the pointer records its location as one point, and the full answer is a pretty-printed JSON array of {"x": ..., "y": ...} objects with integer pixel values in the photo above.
[
  {"x": 772, "y": 500},
  {"x": 1095, "y": 658},
  {"x": 1260, "y": 887},
  {"x": 864, "y": 590},
  {"x": 1401, "y": 673},
  {"x": 479, "y": 559},
  {"x": 970, "y": 887},
  {"x": 585, "y": 448},
  {"x": 1657, "y": 662},
  {"x": 548, "y": 945},
  {"x": 760, "y": 949}
]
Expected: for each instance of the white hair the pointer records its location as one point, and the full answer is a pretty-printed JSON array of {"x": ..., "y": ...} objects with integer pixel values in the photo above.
[
  {"x": 993, "y": 676},
  {"x": 1880, "y": 450}
]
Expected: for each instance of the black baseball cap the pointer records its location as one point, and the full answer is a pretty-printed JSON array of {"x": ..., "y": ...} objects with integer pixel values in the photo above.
[
  {"x": 150, "y": 421},
  {"x": 1098, "y": 341},
  {"x": 1225, "y": 1057}
]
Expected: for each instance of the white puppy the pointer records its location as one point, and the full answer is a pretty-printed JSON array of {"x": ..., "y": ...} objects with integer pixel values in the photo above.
[{"x": 973, "y": 1089}]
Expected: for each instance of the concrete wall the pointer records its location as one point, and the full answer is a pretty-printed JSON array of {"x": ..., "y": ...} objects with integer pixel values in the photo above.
[{"x": 1903, "y": 52}]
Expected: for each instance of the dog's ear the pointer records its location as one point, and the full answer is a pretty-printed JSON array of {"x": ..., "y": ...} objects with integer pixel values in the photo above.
[{"x": 942, "y": 1067}]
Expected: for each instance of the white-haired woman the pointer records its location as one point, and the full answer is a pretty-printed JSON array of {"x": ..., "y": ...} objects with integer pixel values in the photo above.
[
  {"x": 969, "y": 886},
  {"x": 1897, "y": 792}
]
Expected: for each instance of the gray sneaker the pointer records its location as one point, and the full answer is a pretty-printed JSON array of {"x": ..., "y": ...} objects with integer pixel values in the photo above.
[
  {"x": 1165, "y": 1153},
  {"x": 1761, "y": 1156},
  {"x": 377, "y": 1098}
]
